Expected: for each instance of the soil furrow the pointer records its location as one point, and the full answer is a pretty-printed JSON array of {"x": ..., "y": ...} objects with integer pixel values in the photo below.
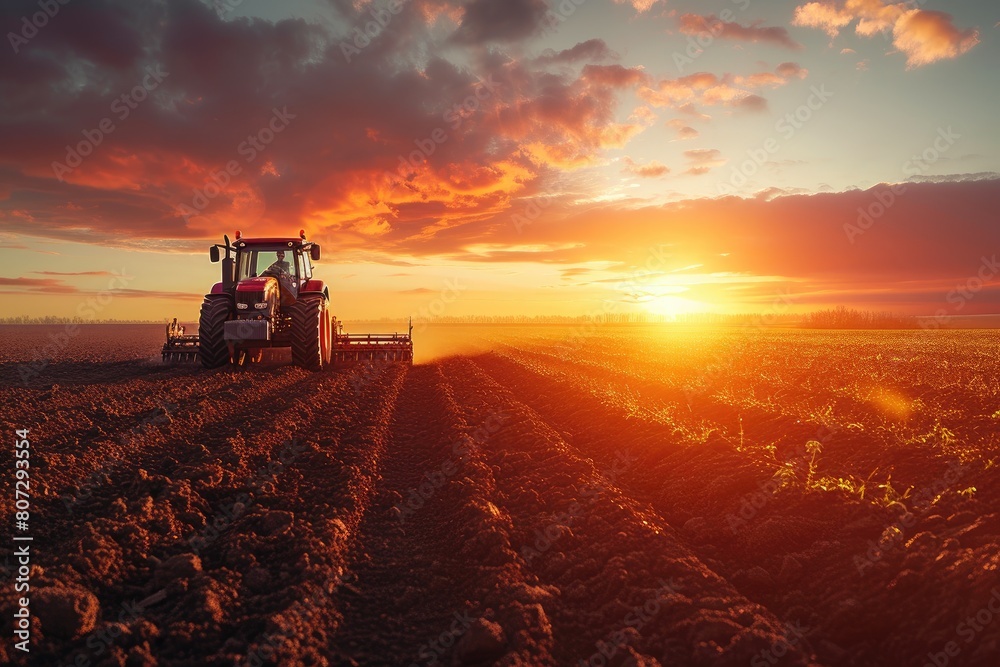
[
  {"x": 626, "y": 583},
  {"x": 434, "y": 577},
  {"x": 326, "y": 491}
]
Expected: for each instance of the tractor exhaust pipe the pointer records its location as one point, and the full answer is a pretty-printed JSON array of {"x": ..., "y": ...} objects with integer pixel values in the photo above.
[{"x": 228, "y": 268}]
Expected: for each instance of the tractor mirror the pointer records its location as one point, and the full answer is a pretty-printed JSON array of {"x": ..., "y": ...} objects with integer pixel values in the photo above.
[
  {"x": 213, "y": 253},
  {"x": 314, "y": 253}
]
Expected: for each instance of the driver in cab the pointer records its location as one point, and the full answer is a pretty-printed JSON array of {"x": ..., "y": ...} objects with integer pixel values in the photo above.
[
  {"x": 282, "y": 270},
  {"x": 280, "y": 265}
]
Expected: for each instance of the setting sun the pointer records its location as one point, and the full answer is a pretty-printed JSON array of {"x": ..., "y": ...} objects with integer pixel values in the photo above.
[{"x": 669, "y": 305}]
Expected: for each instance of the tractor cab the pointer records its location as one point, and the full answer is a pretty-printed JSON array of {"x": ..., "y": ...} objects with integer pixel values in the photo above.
[{"x": 287, "y": 263}]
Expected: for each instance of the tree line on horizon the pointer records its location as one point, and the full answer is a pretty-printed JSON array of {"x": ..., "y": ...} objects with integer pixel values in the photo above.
[
  {"x": 55, "y": 319},
  {"x": 849, "y": 318},
  {"x": 831, "y": 318}
]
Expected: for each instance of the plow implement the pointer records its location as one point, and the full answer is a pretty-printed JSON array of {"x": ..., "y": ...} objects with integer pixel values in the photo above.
[
  {"x": 346, "y": 348},
  {"x": 349, "y": 348},
  {"x": 179, "y": 346}
]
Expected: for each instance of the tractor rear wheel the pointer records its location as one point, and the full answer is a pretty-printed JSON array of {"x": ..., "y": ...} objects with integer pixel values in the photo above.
[
  {"x": 213, "y": 351},
  {"x": 311, "y": 333}
]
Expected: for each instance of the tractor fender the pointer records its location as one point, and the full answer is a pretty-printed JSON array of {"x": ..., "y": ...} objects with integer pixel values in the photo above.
[
  {"x": 315, "y": 286},
  {"x": 217, "y": 289}
]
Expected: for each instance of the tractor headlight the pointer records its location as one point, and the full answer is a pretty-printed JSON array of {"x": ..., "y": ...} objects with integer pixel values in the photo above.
[
  {"x": 242, "y": 306},
  {"x": 261, "y": 306}
]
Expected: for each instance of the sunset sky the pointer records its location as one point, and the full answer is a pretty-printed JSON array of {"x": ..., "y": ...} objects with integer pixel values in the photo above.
[{"x": 506, "y": 156}]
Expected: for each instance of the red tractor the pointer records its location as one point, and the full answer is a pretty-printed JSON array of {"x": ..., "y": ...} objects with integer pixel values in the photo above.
[{"x": 268, "y": 298}]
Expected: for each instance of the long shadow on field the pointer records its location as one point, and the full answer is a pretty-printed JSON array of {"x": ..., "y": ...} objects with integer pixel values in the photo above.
[{"x": 37, "y": 376}]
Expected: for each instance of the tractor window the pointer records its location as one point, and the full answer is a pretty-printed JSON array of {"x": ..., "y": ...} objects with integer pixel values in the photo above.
[
  {"x": 305, "y": 270},
  {"x": 245, "y": 265},
  {"x": 256, "y": 262},
  {"x": 268, "y": 259}
]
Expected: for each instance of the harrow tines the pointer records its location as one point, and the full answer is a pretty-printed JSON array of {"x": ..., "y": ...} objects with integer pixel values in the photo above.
[{"x": 179, "y": 346}]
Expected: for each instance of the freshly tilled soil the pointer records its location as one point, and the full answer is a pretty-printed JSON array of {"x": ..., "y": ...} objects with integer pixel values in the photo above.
[{"x": 514, "y": 507}]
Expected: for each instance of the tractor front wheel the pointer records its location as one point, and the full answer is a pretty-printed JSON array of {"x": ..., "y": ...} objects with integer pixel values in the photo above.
[
  {"x": 311, "y": 333},
  {"x": 212, "y": 348}
]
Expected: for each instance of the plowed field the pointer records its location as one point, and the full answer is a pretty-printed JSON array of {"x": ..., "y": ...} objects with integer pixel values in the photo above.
[{"x": 520, "y": 496}]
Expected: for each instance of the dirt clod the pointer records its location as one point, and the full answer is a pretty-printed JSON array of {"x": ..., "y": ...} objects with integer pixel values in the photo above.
[
  {"x": 275, "y": 522},
  {"x": 181, "y": 566},
  {"x": 482, "y": 642},
  {"x": 67, "y": 612}
]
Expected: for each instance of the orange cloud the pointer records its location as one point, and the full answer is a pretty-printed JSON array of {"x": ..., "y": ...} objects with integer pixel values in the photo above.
[
  {"x": 822, "y": 15},
  {"x": 703, "y": 160},
  {"x": 639, "y": 5},
  {"x": 694, "y": 24},
  {"x": 615, "y": 76},
  {"x": 651, "y": 169},
  {"x": 923, "y": 36},
  {"x": 712, "y": 90},
  {"x": 926, "y": 37},
  {"x": 761, "y": 80}
]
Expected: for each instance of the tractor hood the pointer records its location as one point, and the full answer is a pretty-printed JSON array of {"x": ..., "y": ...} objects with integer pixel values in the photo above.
[
  {"x": 257, "y": 284},
  {"x": 266, "y": 288}
]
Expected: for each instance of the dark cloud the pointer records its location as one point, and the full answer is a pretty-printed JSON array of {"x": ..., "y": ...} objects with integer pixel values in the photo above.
[
  {"x": 791, "y": 70},
  {"x": 73, "y": 273},
  {"x": 588, "y": 51},
  {"x": 105, "y": 33},
  {"x": 54, "y": 286},
  {"x": 500, "y": 20},
  {"x": 752, "y": 103},
  {"x": 684, "y": 131},
  {"x": 379, "y": 150},
  {"x": 937, "y": 232},
  {"x": 36, "y": 284}
]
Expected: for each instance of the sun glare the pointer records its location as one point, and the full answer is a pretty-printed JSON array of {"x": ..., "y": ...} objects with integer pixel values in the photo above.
[
  {"x": 673, "y": 306},
  {"x": 892, "y": 403}
]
